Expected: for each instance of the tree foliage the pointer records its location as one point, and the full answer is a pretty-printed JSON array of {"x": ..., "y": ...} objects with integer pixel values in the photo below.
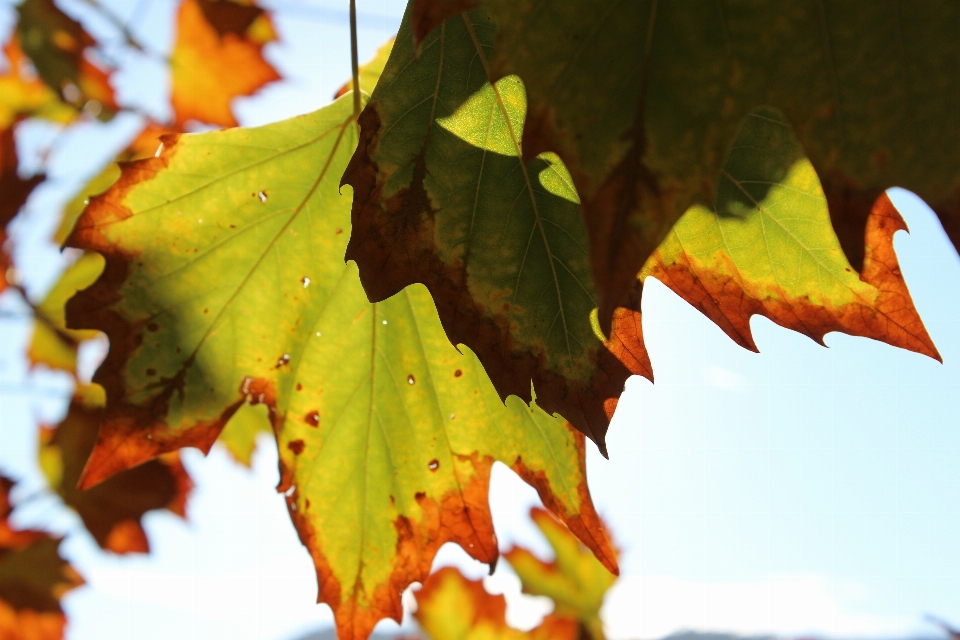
[{"x": 454, "y": 276}]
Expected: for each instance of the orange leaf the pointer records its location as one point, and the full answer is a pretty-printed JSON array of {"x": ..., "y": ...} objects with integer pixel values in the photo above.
[
  {"x": 730, "y": 300},
  {"x": 33, "y": 578},
  {"x": 217, "y": 57},
  {"x": 451, "y": 607},
  {"x": 112, "y": 510},
  {"x": 59, "y": 48}
]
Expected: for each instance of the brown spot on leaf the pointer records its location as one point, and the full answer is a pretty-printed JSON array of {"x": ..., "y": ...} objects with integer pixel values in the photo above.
[
  {"x": 296, "y": 446},
  {"x": 433, "y": 465},
  {"x": 152, "y": 327},
  {"x": 457, "y": 373},
  {"x": 312, "y": 418},
  {"x": 419, "y": 495}
]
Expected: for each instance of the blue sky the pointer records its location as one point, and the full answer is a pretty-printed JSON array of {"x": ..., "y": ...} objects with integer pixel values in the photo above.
[{"x": 800, "y": 490}]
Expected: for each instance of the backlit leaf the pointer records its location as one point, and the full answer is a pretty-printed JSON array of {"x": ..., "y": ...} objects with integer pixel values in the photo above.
[
  {"x": 239, "y": 436},
  {"x": 60, "y": 50},
  {"x": 218, "y": 56},
  {"x": 444, "y": 198},
  {"x": 386, "y": 432},
  {"x": 452, "y": 607},
  {"x": 574, "y": 580},
  {"x": 143, "y": 145},
  {"x": 769, "y": 249},
  {"x": 33, "y": 578},
  {"x": 14, "y": 192},
  {"x": 112, "y": 510},
  {"x": 52, "y": 344},
  {"x": 641, "y": 99},
  {"x": 23, "y": 94}
]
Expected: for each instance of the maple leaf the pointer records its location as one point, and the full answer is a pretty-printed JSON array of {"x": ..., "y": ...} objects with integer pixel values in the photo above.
[
  {"x": 143, "y": 145},
  {"x": 769, "y": 249},
  {"x": 574, "y": 580},
  {"x": 112, "y": 510},
  {"x": 60, "y": 49},
  {"x": 33, "y": 578},
  {"x": 218, "y": 56},
  {"x": 386, "y": 432},
  {"x": 644, "y": 107},
  {"x": 23, "y": 94},
  {"x": 442, "y": 197},
  {"x": 15, "y": 191},
  {"x": 452, "y": 607},
  {"x": 52, "y": 344}
]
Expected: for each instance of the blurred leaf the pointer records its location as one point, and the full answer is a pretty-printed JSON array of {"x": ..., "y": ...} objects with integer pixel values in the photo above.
[
  {"x": 218, "y": 56},
  {"x": 23, "y": 94},
  {"x": 574, "y": 580},
  {"x": 33, "y": 578},
  {"x": 112, "y": 510},
  {"x": 451, "y": 607},
  {"x": 52, "y": 343},
  {"x": 14, "y": 192},
  {"x": 61, "y": 50}
]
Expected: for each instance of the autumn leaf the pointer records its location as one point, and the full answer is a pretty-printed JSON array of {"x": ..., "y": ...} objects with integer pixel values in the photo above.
[
  {"x": 52, "y": 344},
  {"x": 112, "y": 510},
  {"x": 14, "y": 192},
  {"x": 444, "y": 198},
  {"x": 769, "y": 249},
  {"x": 143, "y": 145},
  {"x": 574, "y": 580},
  {"x": 23, "y": 94},
  {"x": 218, "y": 56},
  {"x": 643, "y": 108},
  {"x": 386, "y": 432},
  {"x": 452, "y": 607},
  {"x": 239, "y": 436},
  {"x": 60, "y": 50},
  {"x": 370, "y": 71},
  {"x": 33, "y": 578}
]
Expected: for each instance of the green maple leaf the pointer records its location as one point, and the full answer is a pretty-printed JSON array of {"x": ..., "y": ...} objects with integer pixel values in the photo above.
[
  {"x": 642, "y": 99},
  {"x": 444, "y": 198},
  {"x": 769, "y": 249},
  {"x": 225, "y": 284}
]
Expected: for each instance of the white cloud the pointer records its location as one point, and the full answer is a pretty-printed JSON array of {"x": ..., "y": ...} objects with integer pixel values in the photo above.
[{"x": 655, "y": 606}]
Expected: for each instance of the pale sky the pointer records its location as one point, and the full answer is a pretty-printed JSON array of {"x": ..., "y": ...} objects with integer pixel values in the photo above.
[{"x": 803, "y": 490}]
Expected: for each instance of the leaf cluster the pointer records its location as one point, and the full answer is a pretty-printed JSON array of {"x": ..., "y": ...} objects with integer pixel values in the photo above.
[{"x": 454, "y": 276}]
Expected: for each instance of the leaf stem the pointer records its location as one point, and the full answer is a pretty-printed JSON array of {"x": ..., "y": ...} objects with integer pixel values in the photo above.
[{"x": 354, "y": 59}]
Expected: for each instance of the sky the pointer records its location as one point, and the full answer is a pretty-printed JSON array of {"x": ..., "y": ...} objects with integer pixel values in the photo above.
[{"x": 799, "y": 491}]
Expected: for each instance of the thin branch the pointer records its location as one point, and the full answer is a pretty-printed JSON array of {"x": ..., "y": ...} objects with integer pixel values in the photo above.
[{"x": 354, "y": 59}]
